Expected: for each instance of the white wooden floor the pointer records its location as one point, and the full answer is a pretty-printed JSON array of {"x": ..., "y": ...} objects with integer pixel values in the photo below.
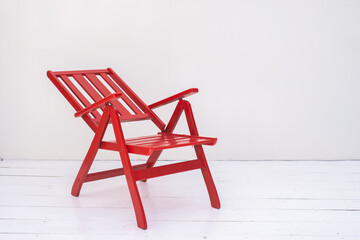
[{"x": 260, "y": 200}]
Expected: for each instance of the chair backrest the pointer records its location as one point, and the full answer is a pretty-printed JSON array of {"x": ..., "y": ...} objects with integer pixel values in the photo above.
[{"x": 82, "y": 88}]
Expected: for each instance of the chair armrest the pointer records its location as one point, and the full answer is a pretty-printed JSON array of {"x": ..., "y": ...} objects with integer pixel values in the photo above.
[
  {"x": 98, "y": 104},
  {"x": 173, "y": 98}
]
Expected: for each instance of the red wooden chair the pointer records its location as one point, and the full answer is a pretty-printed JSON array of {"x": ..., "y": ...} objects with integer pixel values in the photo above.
[{"x": 103, "y": 106}]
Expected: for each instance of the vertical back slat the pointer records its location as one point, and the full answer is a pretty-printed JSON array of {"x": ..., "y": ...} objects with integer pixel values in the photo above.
[
  {"x": 116, "y": 88},
  {"x": 76, "y": 105},
  {"x": 87, "y": 87},
  {"x": 136, "y": 99},
  {"x": 104, "y": 91},
  {"x": 78, "y": 94}
]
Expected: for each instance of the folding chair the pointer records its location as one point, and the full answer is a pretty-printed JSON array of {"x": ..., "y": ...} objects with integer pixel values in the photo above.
[{"x": 105, "y": 98}]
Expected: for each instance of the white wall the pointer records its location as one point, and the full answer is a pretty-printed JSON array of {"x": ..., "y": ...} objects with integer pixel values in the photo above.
[{"x": 277, "y": 79}]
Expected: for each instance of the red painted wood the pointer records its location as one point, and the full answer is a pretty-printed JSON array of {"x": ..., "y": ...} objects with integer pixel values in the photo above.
[
  {"x": 87, "y": 87},
  {"x": 169, "y": 140},
  {"x": 175, "y": 117},
  {"x": 116, "y": 88},
  {"x": 137, "y": 117},
  {"x": 75, "y": 91},
  {"x": 79, "y": 95},
  {"x": 113, "y": 111},
  {"x": 146, "y": 145},
  {"x": 173, "y": 98},
  {"x": 169, "y": 129},
  {"x": 129, "y": 174},
  {"x": 111, "y": 173},
  {"x": 98, "y": 104},
  {"x": 167, "y": 169},
  {"x": 160, "y": 124},
  {"x": 105, "y": 92},
  {"x": 153, "y": 158},
  {"x": 70, "y": 73},
  {"x": 112, "y": 146},
  {"x": 97, "y": 91},
  {"x": 76, "y": 104},
  {"x": 90, "y": 156},
  {"x": 214, "y": 197}
]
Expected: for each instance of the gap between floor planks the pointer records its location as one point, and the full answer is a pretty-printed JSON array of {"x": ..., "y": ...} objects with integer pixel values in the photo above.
[{"x": 260, "y": 200}]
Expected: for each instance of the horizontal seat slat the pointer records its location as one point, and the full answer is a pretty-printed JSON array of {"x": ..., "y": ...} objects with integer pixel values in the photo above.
[
  {"x": 175, "y": 142},
  {"x": 151, "y": 140},
  {"x": 165, "y": 142},
  {"x": 148, "y": 144},
  {"x": 169, "y": 139}
]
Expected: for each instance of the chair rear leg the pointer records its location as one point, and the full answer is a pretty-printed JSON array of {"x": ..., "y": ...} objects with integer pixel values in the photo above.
[
  {"x": 169, "y": 129},
  {"x": 210, "y": 185},
  {"x": 152, "y": 160},
  {"x": 214, "y": 197},
  {"x": 90, "y": 156}
]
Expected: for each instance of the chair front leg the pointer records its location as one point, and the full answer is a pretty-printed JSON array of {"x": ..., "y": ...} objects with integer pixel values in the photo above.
[
  {"x": 128, "y": 171},
  {"x": 90, "y": 156},
  {"x": 214, "y": 197}
]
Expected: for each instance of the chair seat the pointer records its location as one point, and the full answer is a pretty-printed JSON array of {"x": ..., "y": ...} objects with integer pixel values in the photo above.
[{"x": 146, "y": 145}]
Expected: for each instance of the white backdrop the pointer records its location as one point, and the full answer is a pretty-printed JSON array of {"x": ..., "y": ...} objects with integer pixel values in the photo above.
[{"x": 277, "y": 79}]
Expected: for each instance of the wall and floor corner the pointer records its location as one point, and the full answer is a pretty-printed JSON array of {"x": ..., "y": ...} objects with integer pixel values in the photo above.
[{"x": 277, "y": 79}]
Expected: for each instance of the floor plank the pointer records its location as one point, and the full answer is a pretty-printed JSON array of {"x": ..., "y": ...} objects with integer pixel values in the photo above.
[{"x": 260, "y": 200}]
